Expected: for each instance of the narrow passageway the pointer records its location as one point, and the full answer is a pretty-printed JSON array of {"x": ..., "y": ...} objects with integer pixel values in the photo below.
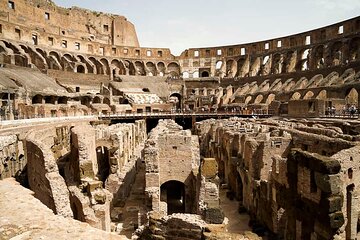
[
  {"x": 237, "y": 223},
  {"x": 134, "y": 207}
]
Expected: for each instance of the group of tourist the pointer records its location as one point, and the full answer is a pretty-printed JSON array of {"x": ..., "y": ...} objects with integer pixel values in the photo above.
[{"x": 348, "y": 109}]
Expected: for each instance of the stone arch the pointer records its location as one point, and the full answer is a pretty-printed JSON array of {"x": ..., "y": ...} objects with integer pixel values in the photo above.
[
  {"x": 248, "y": 99},
  {"x": 266, "y": 65},
  {"x": 290, "y": 62},
  {"x": 118, "y": 66},
  {"x": 173, "y": 193},
  {"x": 42, "y": 52},
  {"x": 67, "y": 62},
  {"x": 80, "y": 69},
  {"x": 96, "y": 99},
  {"x": 178, "y": 98},
  {"x": 336, "y": 51},
  {"x": 140, "y": 68},
  {"x": 354, "y": 49},
  {"x": 315, "y": 81},
  {"x": 106, "y": 100},
  {"x": 301, "y": 83},
  {"x": 278, "y": 62},
  {"x": 205, "y": 74},
  {"x": 331, "y": 79},
  {"x": 36, "y": 58},
  {"x": 255, "y": 67},
  {"x": 231, "y": 68},
  {"x": 270, "y": 98},
  {"x": 308, "y": 95},
  {"x": 318, "y": 57},
  {"x": 218, "y": 65},
  {"x": 85, "y": 100},
  {"x": 303, "y": 63},
  {"x": 19, "y": 55},
  {"x": 89, "y": 68},
  {"x": 54, "y": 60},
  {"x": 37, "y": 99},
  {"x": 243, "y": 67},
  {"x": 276, "y": 85},
  {"x": 173, "y": 68},
  {"x": 161, "y": 68},
  {"x": 106, "y": 66},
  {"x": 322, "y": 95},
  {"x": 295, "y": 96},
  {"x": 4, "y": 55},
  {"x": 259, "y": 98},
  {"x": 151, "y": 69},
  {"x": 352, "y": 96},
  {"x": 97, "y": 64},
  {"x": 130, "y": 68},
  {"x": 219, "y": 68}
]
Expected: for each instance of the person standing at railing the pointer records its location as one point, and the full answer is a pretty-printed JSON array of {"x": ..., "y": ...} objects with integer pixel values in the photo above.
[{"x": 352, "y": 110}]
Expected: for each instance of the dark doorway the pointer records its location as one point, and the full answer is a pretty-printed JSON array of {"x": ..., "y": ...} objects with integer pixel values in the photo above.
[
  {"x": 173, "y": 193},
  {"x": 102, "y": 154},
  {"x": 205, "y": 74},
  {"x": 151, "y": 123},
  {"x": 178, "y": 101},
  {"x": 80, "y": 69}
]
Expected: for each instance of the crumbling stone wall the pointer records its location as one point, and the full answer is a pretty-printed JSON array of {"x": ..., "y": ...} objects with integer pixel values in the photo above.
[
  {"x": 12, "y": 156},
  {"x": 124, "y": 143},
  {"x": 43, "y": 173},
  {"x": 171, "y": 154},
  {"x": 294, "y": 177}
]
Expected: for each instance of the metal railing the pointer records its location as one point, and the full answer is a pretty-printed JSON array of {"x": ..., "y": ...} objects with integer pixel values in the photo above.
[
  {"x": 215, "y": 114},
  {"x": 4, "y": 120}
]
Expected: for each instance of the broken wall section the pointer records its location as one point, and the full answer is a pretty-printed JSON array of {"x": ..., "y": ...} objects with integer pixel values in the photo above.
[
  {"x": 43, "y": 148},
  {"x": 171, "y": 157}
]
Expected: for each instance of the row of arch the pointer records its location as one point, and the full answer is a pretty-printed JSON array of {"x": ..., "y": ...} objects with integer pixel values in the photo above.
[
  {"x": 23, "y": 55},
  {"x": 298, "y": 89},
  {"x": 85, "y": 100},
  {"x": 306, "y": 58}
]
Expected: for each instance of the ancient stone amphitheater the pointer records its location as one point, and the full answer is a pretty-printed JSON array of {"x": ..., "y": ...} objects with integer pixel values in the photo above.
[{"x": 103, "y": 139}]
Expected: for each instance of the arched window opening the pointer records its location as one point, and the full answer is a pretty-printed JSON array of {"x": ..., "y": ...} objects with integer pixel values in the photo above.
[
  {"x": 80, "y": 69},
  {"x": 96, "y": 100},
  {"x": 106, "y": 101},
  {"x": 37, "y": 99},
  {"x": 50, "y": 99},
  {"x": 205, "y": 74}
]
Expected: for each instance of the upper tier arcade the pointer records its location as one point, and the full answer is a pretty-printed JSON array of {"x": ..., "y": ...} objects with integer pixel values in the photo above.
[
  {"x": 325, "y": 47},
  {"x": 42, "y": 22}
]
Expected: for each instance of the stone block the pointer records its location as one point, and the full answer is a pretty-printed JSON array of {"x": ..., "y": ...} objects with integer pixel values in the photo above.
[
  {"x": 328, "y": 183},
  {"x": 209, "y": 168},
  {"x": 336, "y": 219},
  {"x": 214, "y": 215},
  {"x": 92, "y": 185},
  {"x": 332, "y": 203}
]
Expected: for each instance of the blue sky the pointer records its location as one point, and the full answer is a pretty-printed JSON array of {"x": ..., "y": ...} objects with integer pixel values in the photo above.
[{"x": 182, "y": 24}]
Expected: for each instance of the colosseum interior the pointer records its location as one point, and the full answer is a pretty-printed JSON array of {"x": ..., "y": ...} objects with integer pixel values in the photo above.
[{"x": 101, "y": 138}]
